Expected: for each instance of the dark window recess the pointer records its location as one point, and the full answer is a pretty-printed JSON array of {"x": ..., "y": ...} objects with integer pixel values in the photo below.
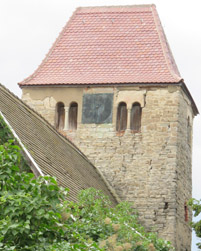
[
  {"x": 185, "y": 212},
  {"x": 97, "y": 108},
  {"x": 135, "y": 121},
  {"x": 121, "y": 117},
  {"x": 59, "y": 116},
  {"x": 72, "y": 119}
]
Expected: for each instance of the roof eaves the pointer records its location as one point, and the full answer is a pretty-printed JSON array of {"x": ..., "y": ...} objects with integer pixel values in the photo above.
[
  {"x": 102, "y": 84},
  {"x": 187, "y": 92},
  {"x": 180, "y": 82}
]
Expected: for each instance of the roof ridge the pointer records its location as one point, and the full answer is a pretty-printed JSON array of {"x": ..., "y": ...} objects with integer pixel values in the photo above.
[
  {"x": 117, "y": 6},
  {"x": 171, "y": 64}
]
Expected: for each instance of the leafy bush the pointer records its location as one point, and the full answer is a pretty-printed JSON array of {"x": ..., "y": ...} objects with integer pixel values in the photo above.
[
  {"x": 196, "y": 206},
  {"x": 5, "y": 133},
  {"x": 35, "y": 215}
]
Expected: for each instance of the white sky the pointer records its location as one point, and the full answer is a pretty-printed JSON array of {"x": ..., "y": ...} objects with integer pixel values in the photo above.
[{"x": 28, "y": 28}]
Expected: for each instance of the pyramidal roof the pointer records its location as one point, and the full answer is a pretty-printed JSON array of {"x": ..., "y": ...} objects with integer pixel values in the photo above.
[{"x": 109, "y": 45}]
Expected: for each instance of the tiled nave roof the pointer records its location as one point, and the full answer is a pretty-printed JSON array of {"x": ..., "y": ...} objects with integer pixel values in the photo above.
[{"x": 53, "y": 153}]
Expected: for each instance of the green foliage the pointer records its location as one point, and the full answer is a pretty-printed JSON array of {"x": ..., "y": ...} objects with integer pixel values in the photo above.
[
  {"x": 35, "y": 215},
  {"x": 5, "y": 133},
  {"x": 7, "y": 136},
  {"x": 196, "y": 207},
  {"x": 29, "y": 208}
]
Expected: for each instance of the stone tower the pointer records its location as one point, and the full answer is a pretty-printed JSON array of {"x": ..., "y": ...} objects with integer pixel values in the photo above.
[{"x": 111, "y": 85}]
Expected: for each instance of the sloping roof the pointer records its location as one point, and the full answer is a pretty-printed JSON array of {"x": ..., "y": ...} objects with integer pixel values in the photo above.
[
  {"x": 108, "y": 45},
  {"x": 48, "y": 151}
]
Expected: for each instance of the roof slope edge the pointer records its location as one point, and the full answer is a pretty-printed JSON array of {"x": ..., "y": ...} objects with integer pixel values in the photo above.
[
  {"x": 53, "y": 153},
  {"x": 166, "y": 48},
  {"x": 33, "y": 165}
]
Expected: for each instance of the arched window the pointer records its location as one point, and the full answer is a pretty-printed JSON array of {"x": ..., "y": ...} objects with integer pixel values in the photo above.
[
  {"x": 135, "y": 121},
  {"x": 72, "y": 119},
  {"x": 60, "y": 116},
  {"x": 121, "y": 117}
]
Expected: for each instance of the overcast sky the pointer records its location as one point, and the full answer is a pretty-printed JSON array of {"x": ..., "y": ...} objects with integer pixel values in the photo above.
[{"x": 28, "y": 28}]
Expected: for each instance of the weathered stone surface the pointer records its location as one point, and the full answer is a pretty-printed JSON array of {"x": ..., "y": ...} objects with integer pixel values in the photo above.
[{"x": 151, "y": 168}]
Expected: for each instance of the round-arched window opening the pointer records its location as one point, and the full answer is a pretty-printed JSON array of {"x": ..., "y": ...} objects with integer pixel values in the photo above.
[
  {"x": 135, "y": 120},
  {"x": 121, "y": 124},
  {"x": 72, "y": 116},
  {"x": 60, "y": 116}
]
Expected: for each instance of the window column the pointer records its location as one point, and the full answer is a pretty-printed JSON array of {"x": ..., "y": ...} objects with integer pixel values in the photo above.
[
  {"x": 129, "y": 118},
  {"x": 66, "y": 117}
]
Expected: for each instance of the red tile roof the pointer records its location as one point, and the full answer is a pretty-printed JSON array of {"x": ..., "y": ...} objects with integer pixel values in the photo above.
[{"x": 109, "y": 45}]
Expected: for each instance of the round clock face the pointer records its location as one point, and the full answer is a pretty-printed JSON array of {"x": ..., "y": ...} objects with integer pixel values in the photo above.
[{"x": 97, "y": 108}]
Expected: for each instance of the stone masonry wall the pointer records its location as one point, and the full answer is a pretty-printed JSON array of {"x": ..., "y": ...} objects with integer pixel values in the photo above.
[
  {"x": 184, "y": 173},
  {"x": 152, "y": 168}
]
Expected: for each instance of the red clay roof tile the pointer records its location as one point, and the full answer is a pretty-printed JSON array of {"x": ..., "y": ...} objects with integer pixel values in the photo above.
[{"x": 109, "y": 45}]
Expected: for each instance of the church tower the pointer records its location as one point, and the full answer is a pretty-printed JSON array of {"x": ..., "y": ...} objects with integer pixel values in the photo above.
[{"x": 111, "y": 85}]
